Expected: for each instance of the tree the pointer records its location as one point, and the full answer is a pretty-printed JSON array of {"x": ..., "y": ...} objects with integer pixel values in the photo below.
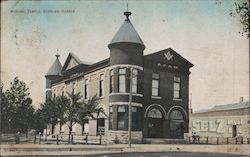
[
  {"x": 88, "y": 109},
  {"x": 50, "y": 113},
  {"x": 18, "y": 101},
  {"x": 6, "y": 112},
  {"x": 53, "y": 111},
  {"x": 61, "y": 104},
  {"x": 71, "y": 116},
  {"x": 39, "y": 120},
  {"x": 241, "y": 12}
]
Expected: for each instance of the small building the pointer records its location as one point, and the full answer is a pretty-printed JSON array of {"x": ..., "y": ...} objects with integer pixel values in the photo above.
[
  {"x": 230, "y": 120},
  {"x": 160, "y": 88}
]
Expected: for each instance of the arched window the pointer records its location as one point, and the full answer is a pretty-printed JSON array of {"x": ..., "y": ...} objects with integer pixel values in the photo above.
[
  {"x": 154, "y": 113},
  {"x": 176, "y": 115}
]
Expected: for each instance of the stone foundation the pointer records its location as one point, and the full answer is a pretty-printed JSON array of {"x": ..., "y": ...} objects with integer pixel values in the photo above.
[{"x": 121, "y": 137}]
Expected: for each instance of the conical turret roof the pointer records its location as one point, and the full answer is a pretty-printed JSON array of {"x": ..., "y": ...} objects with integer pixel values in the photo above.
[
  {"x": 55, "y": 69},
  {"x": 127, "y": 33}
]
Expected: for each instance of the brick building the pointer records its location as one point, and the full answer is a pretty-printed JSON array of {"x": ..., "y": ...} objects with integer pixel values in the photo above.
[{"x": 160, "y": 88}]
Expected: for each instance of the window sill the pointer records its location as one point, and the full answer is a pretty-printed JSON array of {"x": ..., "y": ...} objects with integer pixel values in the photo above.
[
  {"x": 175, "y": 99},
  {"x": 155, "y": 97},
  {"x": 133, "y": 94}
]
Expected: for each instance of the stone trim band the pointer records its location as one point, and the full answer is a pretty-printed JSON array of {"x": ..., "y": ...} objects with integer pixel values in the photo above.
[
  {"x": 127, "y": 66},
  {"x": 133, "y": 94},
  {"x": 125, "y": 103}
]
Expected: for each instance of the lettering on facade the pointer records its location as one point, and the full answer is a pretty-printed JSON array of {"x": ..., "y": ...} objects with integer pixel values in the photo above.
[
  {"x": 217, "y": 126},
  {"x": 75, "y": 75}
]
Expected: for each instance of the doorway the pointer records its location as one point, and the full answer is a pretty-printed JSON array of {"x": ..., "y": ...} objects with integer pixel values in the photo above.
[
  {"x": 177, "y": 124},
  {"x": 155, "y": 123}
]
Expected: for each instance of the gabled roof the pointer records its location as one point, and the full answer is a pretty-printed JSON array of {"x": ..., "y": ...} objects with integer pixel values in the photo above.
[
  {"x": 127, "y": 33},
  {"x": 82, "y": 68},
  {"x": 55, "y": 69},
  {"x": 76, "y": 60},
  {"x": 168, "y": 56}
]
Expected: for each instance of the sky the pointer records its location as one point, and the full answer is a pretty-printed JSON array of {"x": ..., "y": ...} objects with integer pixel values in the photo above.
[{"x": 202, "y": 31}]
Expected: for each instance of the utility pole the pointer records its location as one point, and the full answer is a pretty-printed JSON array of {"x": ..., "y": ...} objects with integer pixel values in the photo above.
[{"x": 130, "y": 108}]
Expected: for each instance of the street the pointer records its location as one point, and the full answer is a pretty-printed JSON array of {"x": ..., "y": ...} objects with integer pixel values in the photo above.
[
  {"x": 137, "y": 150},
  {"x": 151, "y": 154},
  {"x": 169, "y": 154}
]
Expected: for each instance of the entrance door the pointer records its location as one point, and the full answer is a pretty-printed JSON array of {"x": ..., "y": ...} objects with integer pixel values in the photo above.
[
  {"x": 234, "y": 130},
  {"x": 155, "y": 123},
  {"x": 176, "y": 124}
]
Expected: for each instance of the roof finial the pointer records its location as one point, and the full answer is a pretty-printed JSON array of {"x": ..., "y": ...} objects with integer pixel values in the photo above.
[
  {"x": 127, "y": 13},
  {"x": 57, "y": 54}
]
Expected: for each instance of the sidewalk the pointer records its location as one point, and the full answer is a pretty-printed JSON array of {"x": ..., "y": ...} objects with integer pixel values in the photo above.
[{"x": 71, "y": 150}]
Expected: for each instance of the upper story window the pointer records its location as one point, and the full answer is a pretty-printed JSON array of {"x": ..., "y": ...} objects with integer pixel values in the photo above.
[
  {"x": 101, "y": 85},
  {"x": 73, "y": 87},
  {"x": 62, "y": 91},
  {"x": 122, "y": 80},
  {"x": 155, "y": 84},
  {"x": 54, "y": 95},
  {"x": 86, "y": 88},
  {"x": 177, "y": 87},
  {"x": 111, "y": 81},
  {"x": 134, "y": 82}
]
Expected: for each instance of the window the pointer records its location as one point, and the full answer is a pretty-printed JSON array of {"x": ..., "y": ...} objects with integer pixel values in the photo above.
[
  {"x": 86, "y": 89},
  {"x": 134, "y": 82},
  {"x": 101, "y": 125},
  {"x": 177, "y": 87},
  {"x": 135, "y": 118},
  {"x": 122, "y": 80},
  {"x": 121, "y": 118},
  {"x": 155, "y": 84},
  {"x": 101, "y": 85},
  {"x": 73, "y": 87},
  {"x": 54, "y": 95},
  {"x": 154, "y": 113},
  {"x": 110, "y": 117},
  {"x": 111, "y": 81},
  {"x": 62, "y": 91}
]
